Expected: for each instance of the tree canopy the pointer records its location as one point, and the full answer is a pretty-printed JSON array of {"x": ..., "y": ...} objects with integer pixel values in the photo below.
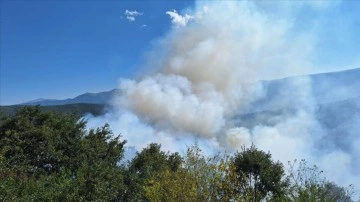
[
  {"x": 49, "y": 156},
  {"x": 258, "y": 176}
]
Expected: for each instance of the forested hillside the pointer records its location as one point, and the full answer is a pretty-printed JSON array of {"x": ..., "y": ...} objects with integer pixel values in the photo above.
[
  {"x": 79, "y": 108},
  {"x": 47, "y": 156}
]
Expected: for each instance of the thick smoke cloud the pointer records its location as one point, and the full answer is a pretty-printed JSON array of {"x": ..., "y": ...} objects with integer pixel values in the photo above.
[{"x": 206, "y": 74}]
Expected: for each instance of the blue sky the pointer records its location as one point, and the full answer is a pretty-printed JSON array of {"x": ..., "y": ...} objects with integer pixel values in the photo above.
[{"x": 60, "y": 49}]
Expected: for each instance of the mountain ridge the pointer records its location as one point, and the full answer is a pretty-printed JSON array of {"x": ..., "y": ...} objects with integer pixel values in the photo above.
[
  {"x": 327, "y": 87},
  {"x": 90, "y": 98}
]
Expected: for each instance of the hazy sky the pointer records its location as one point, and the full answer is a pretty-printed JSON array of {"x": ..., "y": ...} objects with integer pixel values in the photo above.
[{"x": 60, "y": 49}]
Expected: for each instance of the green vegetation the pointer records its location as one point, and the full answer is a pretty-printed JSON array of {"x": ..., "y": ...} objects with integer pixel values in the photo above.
[
  {"x": 78, "y": 109},
  {"x": 48, "y": 156}
]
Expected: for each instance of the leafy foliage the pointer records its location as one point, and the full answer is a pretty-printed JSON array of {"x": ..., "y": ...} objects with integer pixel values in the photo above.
[
  {"x": 47, "y": 156},
  {"x": 307, "y": 184},
  {"x": 145, "y": 167},
  {"x": 258, "y": 177}
]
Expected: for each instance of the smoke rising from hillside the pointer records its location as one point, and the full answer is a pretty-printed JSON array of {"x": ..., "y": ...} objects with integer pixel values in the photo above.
[{"x": 205, "y": 74}]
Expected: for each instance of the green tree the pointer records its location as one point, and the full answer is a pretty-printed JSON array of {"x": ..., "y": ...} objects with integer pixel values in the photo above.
[
  {"x": 170, "y": 185},
  {"x": 308, "y": 184},
  {"x": 257, "y": 176},
  {"x": 100, "y": 177},
  {"x": 146, "y": 166},
  {"x": 35, "y": 142},
  {"x": 209, "y": 173},
  {"x": 49, "y": 156},
  {"x": 200, "y": 178}
]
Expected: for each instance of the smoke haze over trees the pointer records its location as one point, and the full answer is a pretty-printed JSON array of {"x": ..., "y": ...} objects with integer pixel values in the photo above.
[
  {"x": 235, "y": 77},
  {"x": 210, "y": 71},
  {"x": 50, "y": 156}
]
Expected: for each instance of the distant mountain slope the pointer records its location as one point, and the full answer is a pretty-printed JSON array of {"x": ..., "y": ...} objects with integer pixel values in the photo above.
[
  {"x": 339, "y": 120},
  {"x": 330, "y": 92},
  {"x": 79, "y": 108},
  {"x": 335, "y": 98},
  {"x": 336, "y": 86},
  {"x": 324, "y": 88},
  {"x": 90, "y": 98},
  {"x": 330, "y": 115}
]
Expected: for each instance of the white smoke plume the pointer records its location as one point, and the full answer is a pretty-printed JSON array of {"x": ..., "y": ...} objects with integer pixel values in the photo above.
[{"x": 206, "y": 73}]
